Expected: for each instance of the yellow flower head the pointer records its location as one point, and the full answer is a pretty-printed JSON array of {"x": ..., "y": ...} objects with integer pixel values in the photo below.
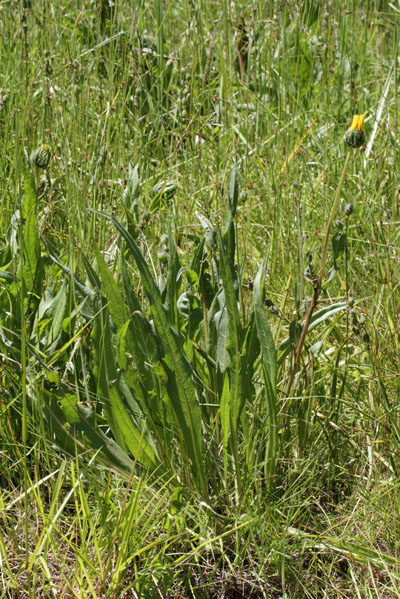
[
  {"x": 358, "y": 122},
  {"x": 355, "y": 135}
]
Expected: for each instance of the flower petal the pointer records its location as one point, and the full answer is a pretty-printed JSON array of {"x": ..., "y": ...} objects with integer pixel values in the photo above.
[{"x": 354, "y": 122}]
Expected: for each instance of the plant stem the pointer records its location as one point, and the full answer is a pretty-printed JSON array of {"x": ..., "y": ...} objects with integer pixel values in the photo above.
[
  {"x": 318, "y": 282},
  {"x": 332, "y": 214}
]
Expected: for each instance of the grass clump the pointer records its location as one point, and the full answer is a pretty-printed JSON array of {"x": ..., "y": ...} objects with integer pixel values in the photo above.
[{"x": 198, "y": 282}]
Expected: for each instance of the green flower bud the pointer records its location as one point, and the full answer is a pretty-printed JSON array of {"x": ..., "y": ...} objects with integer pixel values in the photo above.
[
  {"x": 354, "y": 139},
  {"x": 162, "y": 253},
  {"x": 162, "y": 256},
  {"x": 353, "y": 316},
  {"x": 348, "y": 209},
  {"x": 273, "y": 308},
  {"x": 41, "y": 156},
  {"x": 339, "y": 224}
]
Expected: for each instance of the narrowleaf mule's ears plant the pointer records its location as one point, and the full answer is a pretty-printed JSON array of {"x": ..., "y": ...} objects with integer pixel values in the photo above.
[
  {"x": 177, "y": 370},
  {"x": 354, "y": 138}
]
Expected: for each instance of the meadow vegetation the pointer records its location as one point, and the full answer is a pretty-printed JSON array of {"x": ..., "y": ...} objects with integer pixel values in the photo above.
[{"x": 199, "y": 299}]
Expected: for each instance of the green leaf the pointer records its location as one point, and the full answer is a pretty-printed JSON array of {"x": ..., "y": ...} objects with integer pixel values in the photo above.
[
  {"x": 225, "y": 414},
  {"x": 338, "y": 244},
  {"x": 234, "y": 331},
  {"x": 32, "y": 261},
  {"x": 116, "y": 304},
  {"x": 263, "y": 331},
  {"x": 270, "y": 369},
  {"x": 236, "y": 350},
  {"x": 104, "y": 370},
  {"x": 221, "y": 322},
  {"x": 82, "y": 419},
  {"x": 173, "y": 284},
  {"x": 233, "y": 193},
  {"x": 93, "y": 277},
  {"x": 138, "y": 356},
  {"x": 233, "y": 196},
  {"x": 183, "y": 400},
  {"x": 317, "y": 318},
  {"x": 81, "y": 290},
  {"x": 191, "y": 276},
  {"x": 130, "y": 196},
  {"x": 58, "y": 308},
  {"x": 209, "y": 232},
  {"x": 121, "y": 423},
  {"x": 164, "y": 192}
]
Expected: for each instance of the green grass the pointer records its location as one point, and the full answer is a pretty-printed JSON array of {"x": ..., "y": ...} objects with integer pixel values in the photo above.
[{"x": 158, "y": 438}]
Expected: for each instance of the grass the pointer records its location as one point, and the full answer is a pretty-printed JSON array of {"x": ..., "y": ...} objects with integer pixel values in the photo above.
[{"x": 159, "y": 437}]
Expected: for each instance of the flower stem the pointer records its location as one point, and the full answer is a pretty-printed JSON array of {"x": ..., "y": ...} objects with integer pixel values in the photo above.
[
  {"x": 318, "y": 282},
  {"x": 332, "y": 214}
]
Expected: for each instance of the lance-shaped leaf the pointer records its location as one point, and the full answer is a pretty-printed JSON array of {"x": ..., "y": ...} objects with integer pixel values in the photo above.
[
  {"x": 125, "y": 430},
  {"x": 183, "y": 401},
  {"x": 234, "y": 332},
  {"x": 236, "y": 350},
  {"x": 116, "y": 304},
  {"x": 32, "y": 261},
  {"x": 74, "y": 425},
  {"x": 233, "y": 196},
  {"x": 269, "y": 368}
]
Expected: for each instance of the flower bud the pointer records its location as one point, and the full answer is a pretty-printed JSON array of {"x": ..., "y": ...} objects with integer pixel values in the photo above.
[
  {"x": 41, "y": 156},
  {"x": 348, "y": 209},
  {"x": 273, "y": 308},
  {"x": 162, "y": 253},
  {"x": 353, "y": 316},
  {"x": 355, "y": 137},
  {"x": 339, "y": 224}
]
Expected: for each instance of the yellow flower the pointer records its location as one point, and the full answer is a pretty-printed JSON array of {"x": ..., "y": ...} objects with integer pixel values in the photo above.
[
  {"x": 354, "y": 137},
  {"x": 358, "y": 122}
]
